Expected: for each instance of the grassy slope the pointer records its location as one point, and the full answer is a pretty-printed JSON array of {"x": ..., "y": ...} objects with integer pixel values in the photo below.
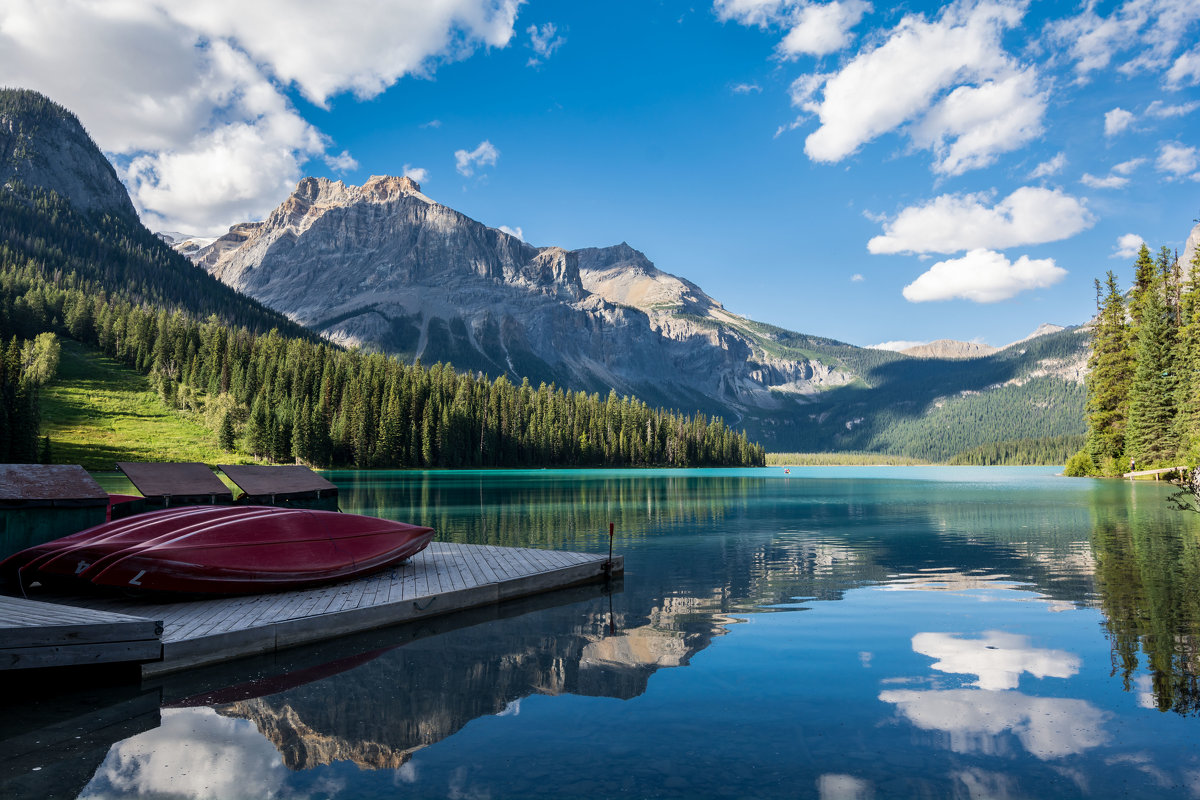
[{"x": 98, "y": 412}]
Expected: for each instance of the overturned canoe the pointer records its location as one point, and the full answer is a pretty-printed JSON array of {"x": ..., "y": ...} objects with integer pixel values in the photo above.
[{"x": 234, "y": 550}]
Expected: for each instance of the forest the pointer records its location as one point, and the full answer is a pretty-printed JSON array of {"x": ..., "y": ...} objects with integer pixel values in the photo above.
[
  {"x": 273, "y": 388},
  {"x": 1143, "y": 389}
]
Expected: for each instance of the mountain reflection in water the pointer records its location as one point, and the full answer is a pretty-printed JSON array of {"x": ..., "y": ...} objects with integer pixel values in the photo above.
[{"x": 831, "y": 634}]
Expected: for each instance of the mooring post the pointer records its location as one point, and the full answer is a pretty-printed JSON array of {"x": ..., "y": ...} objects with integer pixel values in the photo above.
[{"x": 608, "y": 564}]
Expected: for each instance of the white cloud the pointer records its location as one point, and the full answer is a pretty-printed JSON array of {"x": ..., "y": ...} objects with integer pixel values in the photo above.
[
  {"x": 1178, "y": 160},
  {"x": 1047, "y": 727},
  {"x": 418, "y": 174},
  {"x": 1107, "y": 182},
  {"x": 1161, "y": 110},
  {"x": 746, "y": 88},
  {"x": 1185, "y": 71},
  {"x": 194, "y": 753},
  {"x": 951, "y": 222},
  {"x": 997, "y": 658},
  {"x": 954, "y": 70},
  {"x": 433, "y": 123},
  {"x": 544, "y": 41},
  {"x": 896, "y": 345},
  {"x": 517, "y": 232},
  {"x": 835, "y": 786},
  {"x": 820, "y": 29},
  {"x": 983, "y": 276},
  {"x": 1127, "y": 246},
  {"x": 1116, "y": 121},
  {"x": 172, "y": 84},
  {"x": 343, "y": 162},
  {"x": 857, "y": 278},
  {"x": 1127, "y": 167},
  {"x": 972, "y": 125},
  {"x": 484, "y": 155},
  {"x": 1051, "y": 167},
  {"x": 1148, "y": 32}
]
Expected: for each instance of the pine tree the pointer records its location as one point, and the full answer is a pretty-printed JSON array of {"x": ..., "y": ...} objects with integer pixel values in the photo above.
[
  {"x": 1109, "y": 379},
  {"x": 1150, "y": 435}
]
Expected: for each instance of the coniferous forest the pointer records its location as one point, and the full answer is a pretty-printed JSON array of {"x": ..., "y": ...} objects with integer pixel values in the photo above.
[
  {"x": 1143, "y": 389},
  {"x": 276, "y": 389}
]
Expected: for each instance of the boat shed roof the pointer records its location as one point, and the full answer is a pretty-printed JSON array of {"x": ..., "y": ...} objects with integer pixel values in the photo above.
[
  {"x": 259, "y": 480},
  {"x": 49, "y": 484},
  {"x": 175, "y": 479}
]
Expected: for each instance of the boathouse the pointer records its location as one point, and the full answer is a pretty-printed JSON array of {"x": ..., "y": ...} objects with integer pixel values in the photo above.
[{"x": 40, "y": 502}]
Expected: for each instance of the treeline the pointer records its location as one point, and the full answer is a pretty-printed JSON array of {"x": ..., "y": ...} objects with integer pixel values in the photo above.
[
  {"x": 1143, "y": 391},
  {"x": 1022, "y": 452},
  {"x": 288, "y": 398}
]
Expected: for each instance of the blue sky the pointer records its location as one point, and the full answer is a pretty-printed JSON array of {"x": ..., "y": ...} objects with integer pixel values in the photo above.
[{"x": 866, "y": 171}]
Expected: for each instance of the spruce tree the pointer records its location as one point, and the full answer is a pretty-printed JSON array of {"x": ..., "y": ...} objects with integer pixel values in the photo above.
[
  {"x": 1150, "y": 434},
  {"x": 1109, "y": 379}
]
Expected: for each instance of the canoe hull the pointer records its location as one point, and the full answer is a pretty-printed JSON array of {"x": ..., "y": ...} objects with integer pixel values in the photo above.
[{"x": 227, "y": 550}]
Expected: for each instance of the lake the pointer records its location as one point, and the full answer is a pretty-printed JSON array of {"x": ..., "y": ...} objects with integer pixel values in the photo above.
[{"x": 825, "y": 633}]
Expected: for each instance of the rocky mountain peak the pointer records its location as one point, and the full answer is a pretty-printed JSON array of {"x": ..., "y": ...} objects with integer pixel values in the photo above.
[{"x": 43, "y": 144}]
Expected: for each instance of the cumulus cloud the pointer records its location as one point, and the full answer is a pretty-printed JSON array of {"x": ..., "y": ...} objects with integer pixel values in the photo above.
[
  {"x": 418, "y": 174},
  {"x": 966, "y": 98},
  {"x": 1051, "y": 167},
  {"x": 820, "y": 29},
  {"x": 815, "y": 29},
  {"x": 485, "y": 155},
  {"x": 954, "y": 222},
  {"x": 857, "y": 278},
  {"x": 972, "y": 125},
  {"x": 997, "y": 658},
  {"x": 1185, "y": 71},
  {"x": 746, "y": 88},
  {"x": 983, "y": 276},
  {"x": 1116, "y": 121},
  {"x": 1178, "y": 160},
  {"x": 544, "y": 41},
  {"x": 343, "y": 162},
  {"x": 1149, "y": 32},
  {"x": 1047, "y": 727},
  {"x": 190, "y": 99},
  {"x": 517, "y": 232},
  {"x": 896, "y": 345},
  {"x": 1128, "y": 246}
]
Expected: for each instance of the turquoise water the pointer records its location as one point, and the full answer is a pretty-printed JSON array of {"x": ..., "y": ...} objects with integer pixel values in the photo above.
[{"x": 828, "y": 633}]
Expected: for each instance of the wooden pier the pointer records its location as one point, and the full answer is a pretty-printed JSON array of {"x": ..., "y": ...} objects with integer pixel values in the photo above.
[
  {"x": 36, "y": 634},
  {"x": 442, "y": 579},
  {"x": 1157, "y": 473}
]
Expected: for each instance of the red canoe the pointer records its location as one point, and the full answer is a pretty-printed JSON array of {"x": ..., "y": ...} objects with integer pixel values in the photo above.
[
  {"x": 237, "y": 550},
  {"x": 24, "y": 565}
]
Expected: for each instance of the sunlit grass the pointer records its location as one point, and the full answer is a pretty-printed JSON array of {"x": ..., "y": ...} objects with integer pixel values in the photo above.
[{"x": 98, "y": 411}]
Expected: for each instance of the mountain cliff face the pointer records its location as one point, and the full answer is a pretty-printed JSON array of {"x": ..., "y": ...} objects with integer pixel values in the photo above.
[
  {"x": 44, "y": 145},
  {"x": 382, "y": 265},
  {"x": 385, "y": 267}
]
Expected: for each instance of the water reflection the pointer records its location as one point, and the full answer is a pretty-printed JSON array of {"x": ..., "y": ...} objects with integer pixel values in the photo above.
[
  {"x": 1148, "y": 580},
  {"x": 814, "y": 637}
]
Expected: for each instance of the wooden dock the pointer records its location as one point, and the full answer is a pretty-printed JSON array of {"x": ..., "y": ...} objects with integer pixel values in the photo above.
[
  {"x": 35, "y": 634},
  {"x": 1157, "y": 473},
  {"x": 442, "y": 579}
]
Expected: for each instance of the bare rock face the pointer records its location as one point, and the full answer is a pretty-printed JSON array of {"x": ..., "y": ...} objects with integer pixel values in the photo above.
[
  {"x": 385, "y": 267},
  {"x": 43, "y": 144},
  {"x": 1189, "y": 249},
  {"x": 949, "y": 348}
]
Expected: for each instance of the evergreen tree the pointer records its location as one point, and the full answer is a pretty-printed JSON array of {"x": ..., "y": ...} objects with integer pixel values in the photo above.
[
  {"x": 1150, "y": 435},
  {"x": 1109, "y": 378}
]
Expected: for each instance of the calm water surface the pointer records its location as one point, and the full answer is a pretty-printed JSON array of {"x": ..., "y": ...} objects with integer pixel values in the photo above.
[{"x": 828, "y": 633}]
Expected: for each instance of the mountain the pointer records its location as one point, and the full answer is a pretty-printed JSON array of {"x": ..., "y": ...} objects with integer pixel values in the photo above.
[
  {"x": 66, "y": 219},
  {"x": 386, "y": 267},
  {"x": 949, "y": 348}
]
